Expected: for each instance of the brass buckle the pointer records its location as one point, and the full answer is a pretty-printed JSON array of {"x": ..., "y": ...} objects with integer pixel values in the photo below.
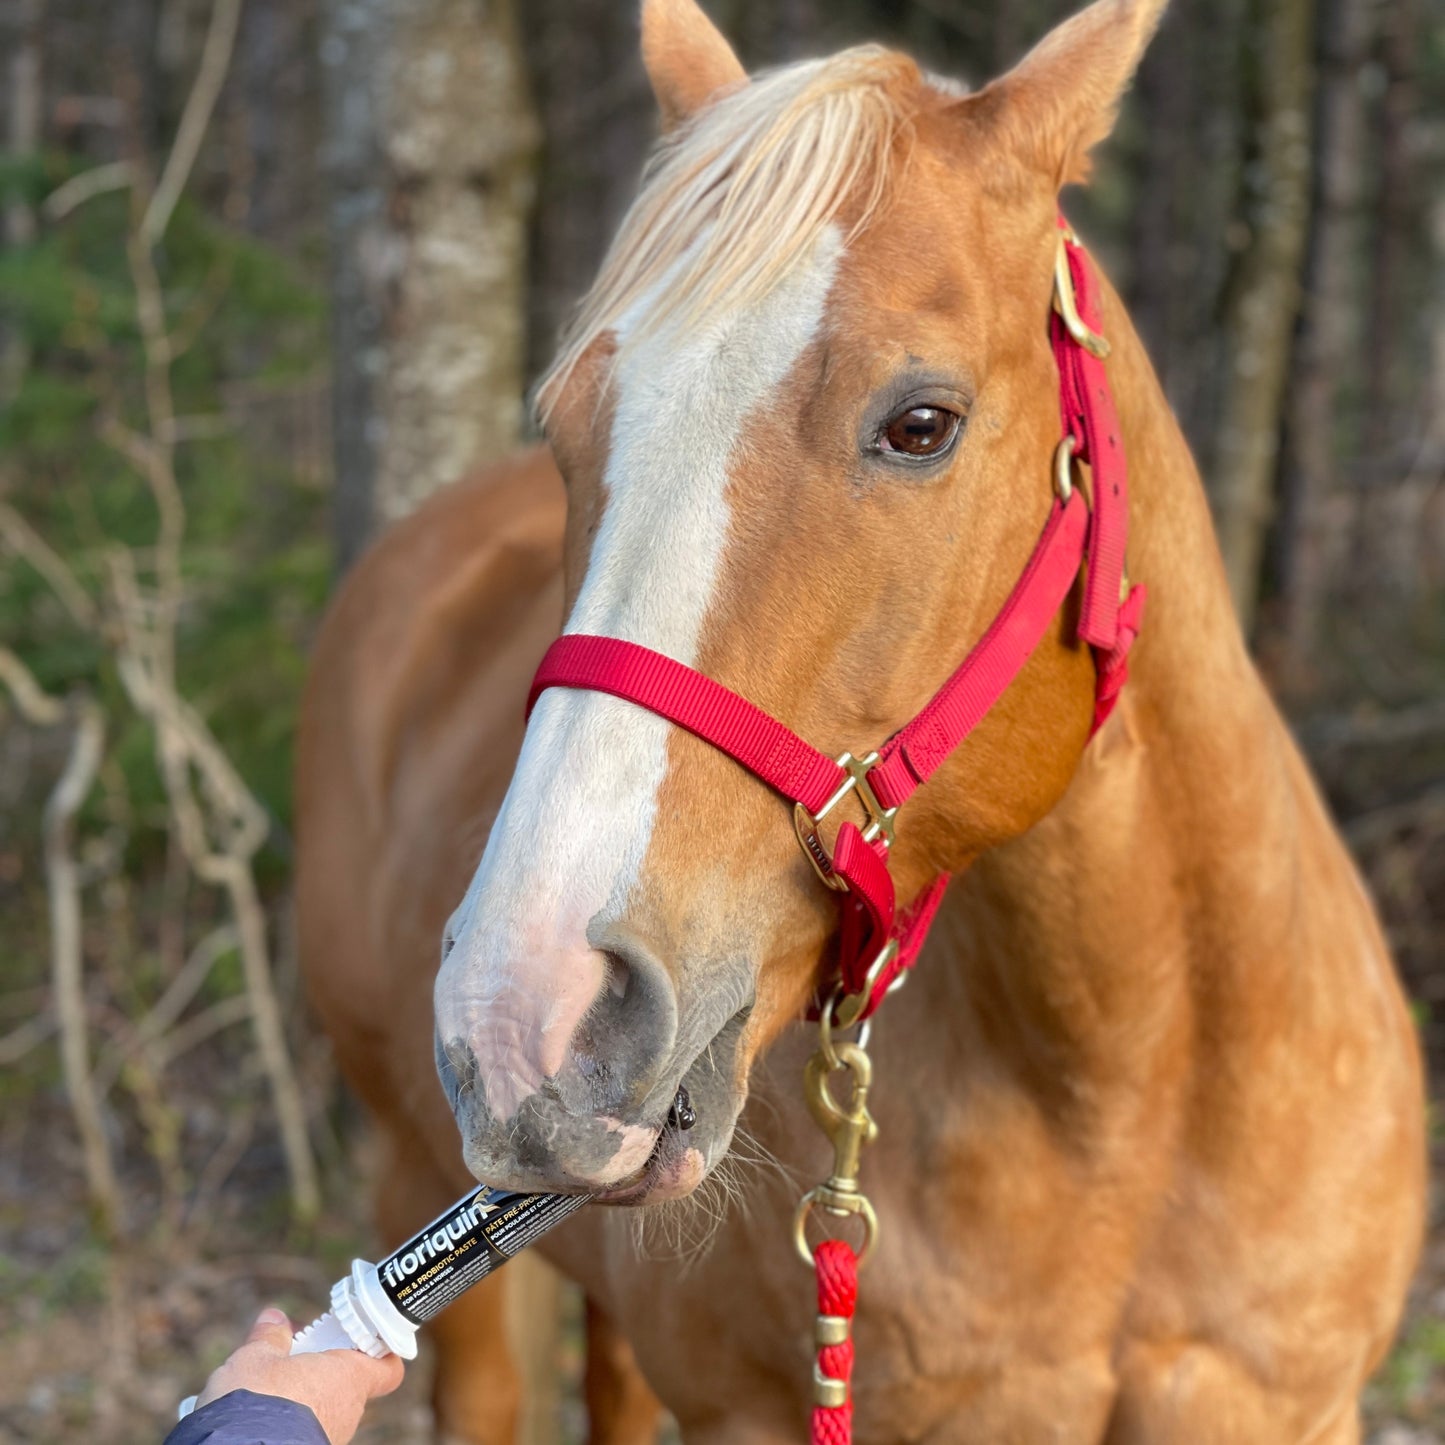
[
  {"x": 1066, "y": 304},
  {"x": 879, "y": 825}
]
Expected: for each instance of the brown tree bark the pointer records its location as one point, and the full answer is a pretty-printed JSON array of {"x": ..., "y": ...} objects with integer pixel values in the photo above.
[
  {"x": 598, "y": 119},
  {"x": 1262, "y": 299},
  {"x": 431, "y": 150},
  {"x": 1396, "y": 218},
  {"x": 22, "y": 35}
]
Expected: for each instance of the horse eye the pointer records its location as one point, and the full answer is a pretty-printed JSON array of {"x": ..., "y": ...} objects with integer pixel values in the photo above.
[{"x": 921, "y": 431}]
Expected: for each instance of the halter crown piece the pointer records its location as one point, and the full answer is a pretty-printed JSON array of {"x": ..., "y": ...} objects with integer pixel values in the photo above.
[{"x": 878, "y": 942}]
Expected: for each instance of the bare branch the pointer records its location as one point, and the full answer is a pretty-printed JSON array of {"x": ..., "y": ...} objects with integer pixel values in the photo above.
[
  {"x": 223, "y": 1015},
  {"x": 185, "y": 748},
  {"x": 67, "y": 962},
  {"x": 169, "y": 1007},
  {"x": 218, "y": 1168},
  {"x": 271, "y": 1038},
  {"x": 26, "y": 542},
  {"x": 137, "y": 448},
  {"x": 35, "y": 704},
  {"x": 1426, "y": 810},
  {"x": 19, "y": 1041},
  {"x": 211, "y": 75},
  {"x": 1420, "y": 722},
  {"x": 217, "y": 821},
  {"x": 191, "y": 322},
  {"x": 23, "y": 1000},
  {"x": 114, "y": 176},
  {"x": 199, "y": 428}
]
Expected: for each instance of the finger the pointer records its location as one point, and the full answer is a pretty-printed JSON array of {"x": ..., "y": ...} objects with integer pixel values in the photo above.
[
  {"x": 373, "y": 1377},
  {"x": 271, "y": 1329},
  {"x": 390, "y": 1373}
]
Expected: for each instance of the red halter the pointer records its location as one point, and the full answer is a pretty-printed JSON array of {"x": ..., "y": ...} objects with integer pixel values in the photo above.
[{"x": 877, "y": 942}]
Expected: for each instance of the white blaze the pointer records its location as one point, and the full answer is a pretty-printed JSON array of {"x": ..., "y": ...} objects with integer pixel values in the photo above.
[{"x": 574, "y": 827}]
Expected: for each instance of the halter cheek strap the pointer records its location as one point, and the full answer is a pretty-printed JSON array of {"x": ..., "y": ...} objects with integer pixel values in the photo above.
[{"x": 877, "y": 942}]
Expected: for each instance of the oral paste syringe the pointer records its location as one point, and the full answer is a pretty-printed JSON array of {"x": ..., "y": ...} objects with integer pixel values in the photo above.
[{"x": 377, "y": 1308}]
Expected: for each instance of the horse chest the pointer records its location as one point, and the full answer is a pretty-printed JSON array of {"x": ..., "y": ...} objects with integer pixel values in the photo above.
[{"x": 975, "y": 1314}]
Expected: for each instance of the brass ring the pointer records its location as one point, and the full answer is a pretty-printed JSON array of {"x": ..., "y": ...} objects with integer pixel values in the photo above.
[
  {"x": 800, "y": 1227},
  {"x": 1063, "y": 469},
  {"x": 825, "y": 1028},
  {"x": 849, "y": 1008},
  {"x": 825, "y": 1033}
]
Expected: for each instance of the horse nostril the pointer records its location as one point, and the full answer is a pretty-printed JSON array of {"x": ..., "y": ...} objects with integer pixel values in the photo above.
[{"x": 683, "y": 1115}]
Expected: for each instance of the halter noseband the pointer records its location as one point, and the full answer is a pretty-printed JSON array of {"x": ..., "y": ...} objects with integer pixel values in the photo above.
[{"x": 877, "y": 941}]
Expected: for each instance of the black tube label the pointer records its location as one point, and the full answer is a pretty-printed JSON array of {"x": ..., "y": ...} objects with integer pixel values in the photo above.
[{"x": 466, "y": 1244}]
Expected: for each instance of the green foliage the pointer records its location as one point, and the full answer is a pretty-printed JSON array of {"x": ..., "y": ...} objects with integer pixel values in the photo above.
[
  {"x": 256, "y": 561},
  {"x": 1416, "y": 1368},
  {"x": 78, "y": 1279}
]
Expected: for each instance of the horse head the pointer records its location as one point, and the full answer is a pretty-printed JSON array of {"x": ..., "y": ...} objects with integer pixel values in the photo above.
[{"x": 806, "y": 418}]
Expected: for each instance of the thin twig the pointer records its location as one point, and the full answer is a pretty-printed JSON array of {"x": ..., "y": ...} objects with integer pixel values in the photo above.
[
  {"x": 67, "y": 961},
  {"x": 206, "y": 1024},
  {"x": 218, "y": 1168},
  {"x": 26, "y": 542},
  {"x": 185, "y": 745},
  {"x": 36, "y": 705},
  {"x": 1386, "y": 729},
  {"x": 192, "y": 321},
  {"x": 216, "y": 820},
  {"x": 97, "y": 181},
  {"x": 19, "y": 1041},
  {"x": 271, "y": 1038},
  {"x": 195, "y": 119},
  {"x": 23, "y": 1000},
  {"x": 1424, "y": 810},
  {"x": 200, "y": 428},
  {"x": 169, "y": 1007}
]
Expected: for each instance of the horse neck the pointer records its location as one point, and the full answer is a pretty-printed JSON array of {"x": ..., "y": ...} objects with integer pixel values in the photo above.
[{"x": 1145, "y": 895}]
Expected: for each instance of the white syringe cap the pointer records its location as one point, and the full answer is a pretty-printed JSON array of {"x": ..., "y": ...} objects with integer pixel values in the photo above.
[{"x": 373, "y": 1324}]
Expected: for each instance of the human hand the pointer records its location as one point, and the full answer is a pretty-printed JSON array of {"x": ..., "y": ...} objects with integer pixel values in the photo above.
[{"x": 335, "y": 1384}]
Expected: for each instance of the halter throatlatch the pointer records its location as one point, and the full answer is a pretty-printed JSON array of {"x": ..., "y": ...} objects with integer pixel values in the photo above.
[{"x": 878, "y": 942}]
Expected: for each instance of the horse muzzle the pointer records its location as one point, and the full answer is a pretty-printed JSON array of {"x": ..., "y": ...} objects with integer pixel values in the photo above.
[{"x": 578, "y": 1087}]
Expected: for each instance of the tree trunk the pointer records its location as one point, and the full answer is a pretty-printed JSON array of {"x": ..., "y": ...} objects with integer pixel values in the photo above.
[
  {"x": 1329, "y": 321},
  {"x": 1262, "y": 300},
  {"x": 1184, "y": 122},
  {"x": 431, "y": 147},
  {"x": 22, "y": 141},
  {"x": 1396, "y": 218},
  {"x": 599, "y": 118}
]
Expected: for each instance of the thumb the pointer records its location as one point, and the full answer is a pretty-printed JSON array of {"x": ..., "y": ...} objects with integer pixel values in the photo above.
[{"x": 272, "y": 1329}]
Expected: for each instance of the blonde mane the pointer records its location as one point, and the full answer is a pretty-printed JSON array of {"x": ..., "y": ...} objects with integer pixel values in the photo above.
[{"x": 743, "y": 192}]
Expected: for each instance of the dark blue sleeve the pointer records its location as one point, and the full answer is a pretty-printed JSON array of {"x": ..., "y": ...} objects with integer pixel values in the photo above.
[{"x": 245, "y": 1418}]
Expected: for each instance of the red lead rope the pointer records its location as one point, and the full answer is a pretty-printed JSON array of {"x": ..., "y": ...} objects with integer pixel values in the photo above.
[
  {"x": 837, "y": 1269},
  {"x": 876, "y": 941}
]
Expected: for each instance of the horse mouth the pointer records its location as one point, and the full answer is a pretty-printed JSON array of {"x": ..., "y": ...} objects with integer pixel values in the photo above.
[
  {"x": 544, "y": 1147},
  {"x": 681, "y": 1157},
  {"x": 674, "y": 1169}
]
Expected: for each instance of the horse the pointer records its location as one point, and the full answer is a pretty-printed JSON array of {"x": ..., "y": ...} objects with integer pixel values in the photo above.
[{"x": 1150, "y": 1145}]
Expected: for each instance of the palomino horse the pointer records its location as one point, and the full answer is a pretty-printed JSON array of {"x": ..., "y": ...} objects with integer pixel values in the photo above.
[{"x": 1150, "y": 1161}]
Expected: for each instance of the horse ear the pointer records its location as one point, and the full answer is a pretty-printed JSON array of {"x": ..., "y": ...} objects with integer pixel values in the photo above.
[
  {"x": 687, "y": 59},
  {"x": 1062, "y": 98}
]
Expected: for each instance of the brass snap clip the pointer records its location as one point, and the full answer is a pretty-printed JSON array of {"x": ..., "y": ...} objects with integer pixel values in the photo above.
[{"x": 849, "y": 1127}]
